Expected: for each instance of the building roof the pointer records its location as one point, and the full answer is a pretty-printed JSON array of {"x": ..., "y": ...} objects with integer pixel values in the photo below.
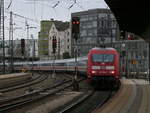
[
  {"x": 131, "y": 16},
  {"x": 61, "y": 26},
  {"x": 91, "y": 11}
]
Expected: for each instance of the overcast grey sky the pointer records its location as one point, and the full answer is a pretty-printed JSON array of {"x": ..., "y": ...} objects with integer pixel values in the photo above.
[{"x": 43, "y": 10}]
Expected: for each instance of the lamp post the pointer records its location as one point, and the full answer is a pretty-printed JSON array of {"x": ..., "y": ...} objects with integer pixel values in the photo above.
[
  {"x": 123, "y": 58},
  {"x": 33, "y": 50}
]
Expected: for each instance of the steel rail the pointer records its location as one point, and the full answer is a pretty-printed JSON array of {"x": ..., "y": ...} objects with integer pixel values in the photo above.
[
  {"x": 41, "y": 94},
  {"x": 32, "y": 82}
]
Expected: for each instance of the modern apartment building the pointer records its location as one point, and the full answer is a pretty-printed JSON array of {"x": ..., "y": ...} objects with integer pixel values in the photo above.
[{"x": 97, "y": 26}]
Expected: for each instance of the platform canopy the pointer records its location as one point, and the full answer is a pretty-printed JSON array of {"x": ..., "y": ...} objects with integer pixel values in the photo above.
[{"x": 132, "y": 16}]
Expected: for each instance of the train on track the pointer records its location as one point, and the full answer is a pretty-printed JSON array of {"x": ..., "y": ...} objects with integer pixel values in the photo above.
[{"x": 101, "y": 65}]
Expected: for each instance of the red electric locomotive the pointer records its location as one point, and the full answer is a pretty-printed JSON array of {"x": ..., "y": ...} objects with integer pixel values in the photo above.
[{"x": 103, "y": 66}]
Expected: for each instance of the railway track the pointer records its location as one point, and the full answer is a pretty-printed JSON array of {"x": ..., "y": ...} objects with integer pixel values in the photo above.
[
  {"x": 133, "y": 97},
  {"x": 87, "y": 103},
  {"x": 36, "y": 80},
  {"x": 15, "y": 102}
]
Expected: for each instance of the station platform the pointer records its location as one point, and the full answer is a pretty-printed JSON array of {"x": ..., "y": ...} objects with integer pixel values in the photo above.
[
  {"x": 132, "y": 97},
  {"x": 14, "y": 75}
]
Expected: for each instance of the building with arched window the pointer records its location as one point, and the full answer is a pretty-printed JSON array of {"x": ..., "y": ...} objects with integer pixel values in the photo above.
[{"x": 55, "y": 30}]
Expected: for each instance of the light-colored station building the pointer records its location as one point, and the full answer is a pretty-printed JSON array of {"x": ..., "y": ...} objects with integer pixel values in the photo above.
[{"x": 54, "y": 29}]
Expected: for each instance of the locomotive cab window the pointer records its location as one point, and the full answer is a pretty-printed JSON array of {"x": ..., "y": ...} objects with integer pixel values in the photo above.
[{"x": 102, "y": 58}]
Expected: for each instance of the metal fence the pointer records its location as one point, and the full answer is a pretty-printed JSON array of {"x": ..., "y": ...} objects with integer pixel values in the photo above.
[{"x": 134, "y": 58}]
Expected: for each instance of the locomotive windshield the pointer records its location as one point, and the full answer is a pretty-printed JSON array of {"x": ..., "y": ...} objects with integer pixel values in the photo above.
[{"x": 102, "y": 58}]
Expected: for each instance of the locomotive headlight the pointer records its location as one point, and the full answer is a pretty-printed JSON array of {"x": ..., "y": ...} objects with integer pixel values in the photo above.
[
  {"x": 145, "y": 72},
  {"x": 112, "y": 72},
  {"x": 110, "y": 67},
  {"x": 95, "y": 67},
  {"x": 93, "y": 72}
]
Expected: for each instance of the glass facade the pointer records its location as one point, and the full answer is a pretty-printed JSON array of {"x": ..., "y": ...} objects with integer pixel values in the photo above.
[{"x": 97, "y": 27}]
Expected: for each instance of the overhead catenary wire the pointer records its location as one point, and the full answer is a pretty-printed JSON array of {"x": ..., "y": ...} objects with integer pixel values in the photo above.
[
  {"x": 9, "y": 4},
  {"x": 21, "y": 16},
  {"x": 56, "y": 4},
  {"x": 72, "y": 4},
  {"x": 21, "y": 19}
]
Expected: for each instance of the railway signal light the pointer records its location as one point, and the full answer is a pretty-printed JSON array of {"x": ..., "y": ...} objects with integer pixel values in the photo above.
[
  {"x": 122, "y": 34},
  {"x": 22, "y": 46},
  {"x": 75, "y": 27},
  {"x": 54, "y": 45},
  {"x": 130, "y": 37}
]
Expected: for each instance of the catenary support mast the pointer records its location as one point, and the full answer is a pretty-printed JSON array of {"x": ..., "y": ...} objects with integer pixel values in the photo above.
[{"x": 2, "y": 37}]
